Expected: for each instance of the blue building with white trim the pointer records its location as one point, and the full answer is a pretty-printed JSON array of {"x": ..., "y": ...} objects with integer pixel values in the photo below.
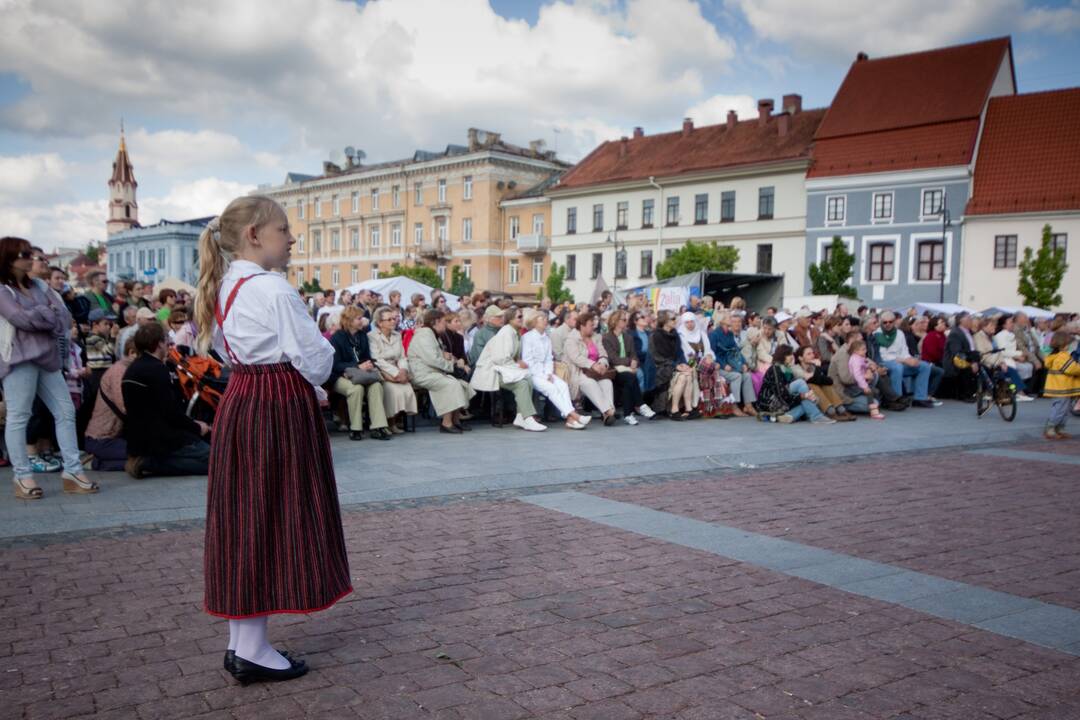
[{"x": 166, "y": 249}]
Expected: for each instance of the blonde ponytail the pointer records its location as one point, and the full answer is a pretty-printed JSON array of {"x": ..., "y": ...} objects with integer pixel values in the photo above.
[{"x": 218, "y": 244}]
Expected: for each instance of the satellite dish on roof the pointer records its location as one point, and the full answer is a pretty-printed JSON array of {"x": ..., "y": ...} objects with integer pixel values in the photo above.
[
  {"x": 350, "y": 151},
  {"x": 359, "y": 155}
]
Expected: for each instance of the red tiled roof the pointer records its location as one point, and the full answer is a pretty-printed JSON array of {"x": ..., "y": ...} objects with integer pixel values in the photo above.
[
  {"x": 921, "y": 88},
  {"x": 940, "y": 145},
  {"x": 705, "y": 148},
  {"x": 1029, "y": 156}
]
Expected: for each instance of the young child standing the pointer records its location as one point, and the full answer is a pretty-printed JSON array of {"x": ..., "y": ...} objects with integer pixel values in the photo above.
[
  {"x": 274, "y": 542},
  {"x": 1062, "y": 384}
]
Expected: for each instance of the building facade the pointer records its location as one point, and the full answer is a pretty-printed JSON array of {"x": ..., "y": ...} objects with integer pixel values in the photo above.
[
  {"x": 156, "y": 252},
  {"x": 892, "y": 168},
  {"x": 527, "y": 229},
  {"x": 440, "y": 209},
  {"x": 634, "y": 201}
]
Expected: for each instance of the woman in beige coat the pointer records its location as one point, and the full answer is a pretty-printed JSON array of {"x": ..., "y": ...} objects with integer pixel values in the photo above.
[
  {"x": 500, "y": 367},
  {"x": 399, "y": 398},
  {"x": 432, "y": 371},
  {"x": 583, "y": 351}
]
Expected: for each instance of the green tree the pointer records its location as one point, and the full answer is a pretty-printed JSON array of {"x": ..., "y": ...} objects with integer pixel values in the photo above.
[
  {"x": 556, "y": 291},
  {"x": 311, "y": 286},
  {"x": 831, "y": 276},
  {"x": 420, "y": 273},
  {"x": 93, "y": 252},
  {"x": 1041, "y": 273},
  {"x": 693, "y": 257},
  {"x": 459, "y": 284}
]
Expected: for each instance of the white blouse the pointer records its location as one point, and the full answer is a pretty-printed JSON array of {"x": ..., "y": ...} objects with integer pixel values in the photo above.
[
  {"x": 536, "y": 353},
  {"x": 268, "y": 323}
]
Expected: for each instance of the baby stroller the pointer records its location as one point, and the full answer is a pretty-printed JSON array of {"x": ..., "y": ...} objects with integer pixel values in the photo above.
[{"x": 202, "y": 382}]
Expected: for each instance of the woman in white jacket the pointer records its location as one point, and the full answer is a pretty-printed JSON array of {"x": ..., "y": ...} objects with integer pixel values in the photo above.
[
  {"x": 536, "y": 353},
  {"x": 1005, "y": 339}
]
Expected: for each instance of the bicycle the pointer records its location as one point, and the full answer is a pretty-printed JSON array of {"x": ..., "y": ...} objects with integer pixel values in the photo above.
[{"x": 995, "y": 389}]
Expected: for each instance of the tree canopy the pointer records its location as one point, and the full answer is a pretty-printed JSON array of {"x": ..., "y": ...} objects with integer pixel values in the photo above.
[
  {"x": 832, "y": 275},
  {"x": 694, "y": 256},
  {"x": 420, "y": 273},
  {"x": 1041, "y": 273}
]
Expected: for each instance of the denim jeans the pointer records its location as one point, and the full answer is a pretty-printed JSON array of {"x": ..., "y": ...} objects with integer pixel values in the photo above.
[
  {"x": 805, "y": 407},
  {"x": 191, "y": 459},
  {"x": 921, "y": 372},
  {"x": 1059, "y": 413},
  {"x": 25, "y": 382},
  {"x": 937, "y": 373}
]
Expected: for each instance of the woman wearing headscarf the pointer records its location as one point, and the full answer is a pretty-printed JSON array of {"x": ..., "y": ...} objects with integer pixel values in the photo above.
[{"x": 711, "y": 390}]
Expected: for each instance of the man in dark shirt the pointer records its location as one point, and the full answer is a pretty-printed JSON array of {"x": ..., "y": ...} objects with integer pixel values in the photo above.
[{"x": 161, "y": 439}]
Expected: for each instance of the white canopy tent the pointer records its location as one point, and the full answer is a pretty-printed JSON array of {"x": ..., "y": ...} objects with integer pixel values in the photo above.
[
  {"x": 1031, "y": 312},
  {"x": 936, "y": 309},
  {"x": 176, "y": 284},
  {"x": 404, "y": 285}
]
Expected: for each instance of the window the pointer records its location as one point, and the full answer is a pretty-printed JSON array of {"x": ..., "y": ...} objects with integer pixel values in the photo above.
[
  {"x": 765, "y": 201},
  {"x": 826, "y": 253},
  {"x": 764, "y": 258},
  {"x": 1005, "y": 251},
  {"x": 622, "y": 212},
  {"x": 418, "y": 194},
  {"x": 354, "y": 239},
  {"x": 835, "y": 209},
  {"x": 355, "y": 197},
  {"x": 127, "y": 258},
  {"x": 646, "y": 263},
  {"x": 300, "y": 204},
  {"x": 883, "y": 207},
  {"x": 672, "y": 216},
  {"x": 466, "y": 229},
  {"x": 316, "y": 237},
  {"x": 727, "y": 206},
  {"x": 1060, "y": 241},
  {"x": 418, "y": 233},
  {"x": 142, "y": 260},
  {"x": 299, "y": 276},
  {"x": 668, "y": 252},
  {"x": 620, "y": 263},
  {"x": 375, "y": 271},
  {"x": 513, "y": 272},
  {"x": 647, "y": 207},
  {"x": 300, "y": 242},
  {"x": 515, "y": 227},
  {"x": 466, "y": 188},
  {"x": 537, "y": 272},
  {"x": 932, "y": 202},
  {"x": 376, "y": 235},
  {"x": 374, "y": 199},
  {"x": 354, "y": 274},
  {"x": 395, "y": 235},
  {"x": 571, "y": 221},
  {"x": 442, "y": 191},
  {"x": 161, "y": 258},
  {"x": 881, "y": 262},
  {"x": 597, "y": 265},
  {"x": 318, "y": 206},
  {"x": 571, "y": 267},
  {"x": 701, "y": 209},
  {"x": 335, "y": 240},
  {"x": 597, "y": 218},
  {"x": 466, "y": 269},
  {"x": 335, "y": 204},
  {"x": 538, "y": 224},
  {"x": 317, "y": 275},
  {"x": 335, "y": 277},
  {"x": 395, "y": 196},
  {"x": 441, "y": 228},
  {"x": 931, "y": 260}
]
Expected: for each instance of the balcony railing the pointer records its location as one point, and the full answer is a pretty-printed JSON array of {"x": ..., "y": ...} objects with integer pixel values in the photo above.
[
  {"x": 435, "y": 248},
  {"x": 532, "y": 244}
]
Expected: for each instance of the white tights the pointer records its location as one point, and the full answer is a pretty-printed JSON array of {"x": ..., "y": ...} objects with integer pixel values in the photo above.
[{"x": 247, "y": 638}]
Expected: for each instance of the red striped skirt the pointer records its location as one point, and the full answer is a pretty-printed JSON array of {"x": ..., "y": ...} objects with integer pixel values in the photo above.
[{"x": 274, "y": 542}]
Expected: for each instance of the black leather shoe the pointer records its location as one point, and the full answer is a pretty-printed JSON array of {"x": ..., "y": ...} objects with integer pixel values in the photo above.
[
  {"x": 464, "y": 427},
  {"x": 230, "y": 658},
  {"x": 355, "y": 435},
  {"x": 452, "y": 430},
  {"x": 247, "y": 672},
  {"x": 381, "y": 434}
]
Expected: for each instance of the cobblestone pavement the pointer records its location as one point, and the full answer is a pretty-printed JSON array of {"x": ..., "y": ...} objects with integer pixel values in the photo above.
[{"x": 489, "y": 607}]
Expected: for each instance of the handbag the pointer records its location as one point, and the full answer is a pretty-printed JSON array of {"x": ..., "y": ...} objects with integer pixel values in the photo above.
[
  {"x": 358, "y": 376},
  {"x": 607, "y": 374}
]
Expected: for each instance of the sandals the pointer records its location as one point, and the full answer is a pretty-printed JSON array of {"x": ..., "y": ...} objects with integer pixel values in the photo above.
[
  {"x": 27, "y": 492},
  {"x": 76, "y": 486}
]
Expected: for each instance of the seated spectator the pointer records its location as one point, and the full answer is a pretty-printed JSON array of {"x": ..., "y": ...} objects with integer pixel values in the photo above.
[
  {"x": 536, "y": 354},
  {"x": 619, "y": 346},
  {"x": 858, "y": 368},
  {"x": 568, "y": 322},
  {"x": 804, "y": 332},
  {"x": 725, "y": 346},
  {"x": 758, "y": 350},
  {"x": 588, "y": 368},
  {"x": 1027, "y": 342},
  {"x": 493, "y": 321},
  {"x": 830, "y": 398},
  {"x": 674, "y": 377},
  {"x": 143, "y": 316},
  {"x": 453, "y": 339},
  {"x": 710, "y": 388},
  {"x": 161, "y": 439},
  {"x": 1005, "y": 340},
  {"x": 182, "y": 330},
  {"x": 355, "y": 377},
  {"x": 895, "y": 357},
  {"x": 992, "y": 358},
  {"x": 399, "y": 398},
  {"x": 500, "y": 367},
  {"x": 786, "y": 398},
  {"x": 827, "y": 344},
  {"x": 432, "y": 371},
  {"x": 105, "y": 433},
  {"x": 959, "y": 360},
  {"x": 641, "y": 330},
  {"x": 915, "y": 329},
  {"x": 932, "y": 341}
]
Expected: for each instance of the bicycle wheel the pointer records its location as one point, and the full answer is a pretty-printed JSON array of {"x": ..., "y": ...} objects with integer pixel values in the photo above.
[
  {"x": 1005, "y": 397},
  {"x": 983, "y": 400}
]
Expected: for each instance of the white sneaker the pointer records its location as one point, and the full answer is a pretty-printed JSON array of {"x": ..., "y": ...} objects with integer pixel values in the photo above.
[
  {"x": 1024, "y": 398},
  {"x": 531, "y": 425},
  {"x": 630, "y": 419},
  {"x": 646, "y": 412},
  {"x": 585, "y": 419},
  {"x": 574, "y": 425}
]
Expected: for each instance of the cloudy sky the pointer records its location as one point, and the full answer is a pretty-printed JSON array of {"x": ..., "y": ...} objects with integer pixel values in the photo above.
[{"x": 219, "y": 96}]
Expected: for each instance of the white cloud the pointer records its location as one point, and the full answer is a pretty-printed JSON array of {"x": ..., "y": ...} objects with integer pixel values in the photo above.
[
  {"x": 200, "y": 198},
  {"x": 25, "y": 177},
  {"x": 178, "y": 153},
  {"x": 1059, "y": 20},
  {"x": 715, "y": 109}
]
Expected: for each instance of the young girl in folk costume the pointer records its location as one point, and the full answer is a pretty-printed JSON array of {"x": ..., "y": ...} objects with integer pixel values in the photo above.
[{"x": 274, "y": 542}]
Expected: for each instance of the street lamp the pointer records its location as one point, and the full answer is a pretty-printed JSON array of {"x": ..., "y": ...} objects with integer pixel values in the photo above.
[
  {"x": 946, "y": 223},
  {"x": 620, "y": 253}
]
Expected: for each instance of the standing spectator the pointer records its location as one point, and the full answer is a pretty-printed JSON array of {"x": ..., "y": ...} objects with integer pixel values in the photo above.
[
  {"x": 1062, "y": 384},
  {"x": 97, "y": 294},
  {"x": 167, "y": 298}
]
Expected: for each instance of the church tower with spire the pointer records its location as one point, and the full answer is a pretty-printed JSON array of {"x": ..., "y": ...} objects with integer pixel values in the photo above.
[{"x": 123, "y": 210}]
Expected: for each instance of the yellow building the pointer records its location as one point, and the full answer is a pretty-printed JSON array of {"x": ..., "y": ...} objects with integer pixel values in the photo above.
[
  {"x": 440, "y": 209},
  {"x": 527, "y": 229}
]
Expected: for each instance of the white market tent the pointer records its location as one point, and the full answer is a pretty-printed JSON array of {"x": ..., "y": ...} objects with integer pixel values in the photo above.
[
  {"x": 404, "y": 285},
  {"x": 936, "y": 309},
  {"x": 174, "y": 284},
  {"x": 1031, "y": 312}
]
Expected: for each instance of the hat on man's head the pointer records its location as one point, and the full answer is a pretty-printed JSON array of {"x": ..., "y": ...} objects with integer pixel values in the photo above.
[
  {"x": 492, "y": 311},
  {"x": 144, "y": 314},
  {"x": 781, "y": 317},
  {"x": 98, "y": 314},
  {"x": 804, "y": 313}
]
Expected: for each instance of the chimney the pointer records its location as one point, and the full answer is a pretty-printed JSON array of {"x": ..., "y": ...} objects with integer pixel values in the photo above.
[
  {"x": 687, "y": 126},
  {"x": 764, "y": 110},
  {"x": 783, "y": 123},
  {"x": 792, "y": 104},
  {"x": 473, "y": 144},
  {"x": 624, "y": 146},
  {"x": 639, "y": 132},
  {"x": 732, "y": 119},
  {"x": 861, "y": 57}
]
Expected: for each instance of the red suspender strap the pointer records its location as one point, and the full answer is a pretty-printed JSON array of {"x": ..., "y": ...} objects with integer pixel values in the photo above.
[{"x": 228, "y": 306}]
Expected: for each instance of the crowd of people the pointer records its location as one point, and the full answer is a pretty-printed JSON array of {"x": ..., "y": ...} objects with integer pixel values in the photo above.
[{"x": 114, "y": 352}]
